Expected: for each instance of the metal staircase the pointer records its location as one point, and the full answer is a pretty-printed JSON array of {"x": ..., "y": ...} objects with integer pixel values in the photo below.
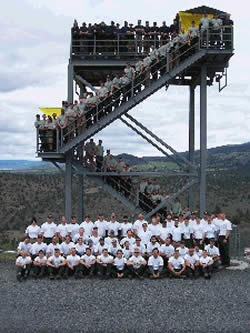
[{"x": 135, "y": 100}]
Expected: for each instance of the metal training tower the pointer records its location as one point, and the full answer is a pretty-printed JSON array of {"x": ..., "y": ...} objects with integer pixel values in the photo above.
[{"x": 197, "y": 64}]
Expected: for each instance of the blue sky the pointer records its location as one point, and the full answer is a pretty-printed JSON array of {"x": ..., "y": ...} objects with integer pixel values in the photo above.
[{"x": 34, "y": 53}]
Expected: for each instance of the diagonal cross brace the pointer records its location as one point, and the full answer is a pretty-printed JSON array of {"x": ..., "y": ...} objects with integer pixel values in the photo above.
[
  {"x": 184, "y": 160},
  {"x": 171, "y": 198},
  {"x": 151, "y": 142},
  {"x": 85, "y": 82}
]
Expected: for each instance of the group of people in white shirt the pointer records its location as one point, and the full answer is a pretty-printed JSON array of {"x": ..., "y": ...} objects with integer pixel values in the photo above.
[{"x": 174, "y": 247}]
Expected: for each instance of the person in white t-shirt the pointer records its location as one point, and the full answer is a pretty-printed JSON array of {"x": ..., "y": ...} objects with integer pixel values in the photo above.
[
  {"x": 170, "y": 221},
  {"x": 23, "y": 264},
  {"x": 214, "y": 253},
  {"x": 136, "y": 265},
  {"x": 73, "y": 227},
  {"x": 108, "y": 240},
  {"x": 102, "y": 226},
  {"x": 119, "y": 265},
  {"x": 206, "y": 263},
  {"x": 165, "y": 231},
  {"x": 24, "y": 246},
  {"x": 80, "y": 234},
  {"x": 104, "y": 264},
  {"x": 52, "y": 246},
  {"x": 198, "y": 233},
  {"x": 87, "y": 225},
  {"x": 137, "y": 226},
  {"x": 88, "y": 261},
  {"x": 40, "y": 265},
  {"x": 155, "y": 227},
  {"x": 37, "y": 246},
  {"x": 183, "y": 250},
  {"x": 48, "y": 229},
  {"x": 114, "y": 247},
  {"x": 114, "y": 225},
  {"x": 187, "y": 233},
  {"x": 152, "y": 245},
  {"x": 66, "y": 246},
  {"x": 139, "y": 246},
  {"x": 100, "y": 246},
  {"x": 127, "y": 250},
  {"x": 129, "y": 238},
  {"x": 144, "y": 234},
  {"x": 56, "y": 265},
  {"x": 192, "y": 264},
  {"x": 33, "y": 230},
  {"x": 73, "y": 264},
  {"x": 197, "y": 250},
  {"x": 62, "y": 229},
  {"x": 125, "y": 226},
  {"x": 210, "y": 230},
  {"x": 95, "y": 236},
  {"x": 176, "y": 265},
  {"x": 155, "y": 265},
  {"x": 225, "y": 228},
  {"x": 167, "y": 251},
  {"x": 80, "y": 247},
  {"x": 176, "y": 233}
]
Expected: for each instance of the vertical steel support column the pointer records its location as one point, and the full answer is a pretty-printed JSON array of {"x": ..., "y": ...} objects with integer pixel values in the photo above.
[
  {"x": 68, "y": 185},
  {"x": 70, "y": 83},
  {"x": 80, "y": 191},
  {"x": 191, "y": 140},
  {"x": 203, "y": 138}
]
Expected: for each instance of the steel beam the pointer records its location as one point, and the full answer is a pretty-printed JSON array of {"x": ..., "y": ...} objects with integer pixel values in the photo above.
[
  {"x": 57, "y": 166},
  {"x": 191, "y": 140},
  {"x": 203, "y": 138},
  {"x": 68, "y": 186},
  {"x": 85, "y": 82},
  {"x": 70, "y": 83},
  {"x": 132, "y": 102},
  {"x": 173, "y": 151},
  {"x": 148, "y": 140}
]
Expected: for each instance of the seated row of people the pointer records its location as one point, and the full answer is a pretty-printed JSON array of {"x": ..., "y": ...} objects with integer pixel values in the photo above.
[{"x": 108, "y": 264}]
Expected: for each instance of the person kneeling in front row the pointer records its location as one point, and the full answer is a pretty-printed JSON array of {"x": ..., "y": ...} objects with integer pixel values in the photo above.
[
  {"x": 73, "y": 264},
  {"x": 176, "y": 265},
  {"x": 155, "y": 264},
  {"x": 119, "y": 265},
  {"x": 206, "y": 263},
  {"x": 56, "y": 265},
  {"x": 104, "y": 264},
  {"x": 40, "y": 265},
  {"x": 23, "y": 264},
  {"x": 88, "y": 263},
  {"x": 192, "y": 262},
  {"x": 136, "y": 264}
]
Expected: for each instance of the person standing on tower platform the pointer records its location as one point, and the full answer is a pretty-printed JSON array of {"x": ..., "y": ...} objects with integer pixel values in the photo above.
[
  {"x": 146, "y": 39},
  {"x": 90, "y": 149},
  {"x": 139, "y": 30},
  {"x": 99, "y": 156},
  {"x": 154, "y": 33},
  {"x": 164, "y": 33}
]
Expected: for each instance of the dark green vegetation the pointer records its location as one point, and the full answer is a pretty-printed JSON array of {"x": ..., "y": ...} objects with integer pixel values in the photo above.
[{"x": 24, "y": 194}]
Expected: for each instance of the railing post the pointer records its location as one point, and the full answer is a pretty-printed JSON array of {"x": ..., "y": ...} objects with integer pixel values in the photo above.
[
  {"x": 118, "y": 44},
  {"x": 57, "y": 139},
  {"x": 94, "y": 51},
  {"x": 167, "y": 65},
  {"x": 97, "y": 112},
  {"x": 132, "y": 87},
  {"x": 61, "y": 139},
  {"x": 136, "y": 44},
  {"x": 37, "y": 140}
]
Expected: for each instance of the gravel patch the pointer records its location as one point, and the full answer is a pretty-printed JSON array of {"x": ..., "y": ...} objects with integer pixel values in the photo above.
[{"x": 218, "y": 305}]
